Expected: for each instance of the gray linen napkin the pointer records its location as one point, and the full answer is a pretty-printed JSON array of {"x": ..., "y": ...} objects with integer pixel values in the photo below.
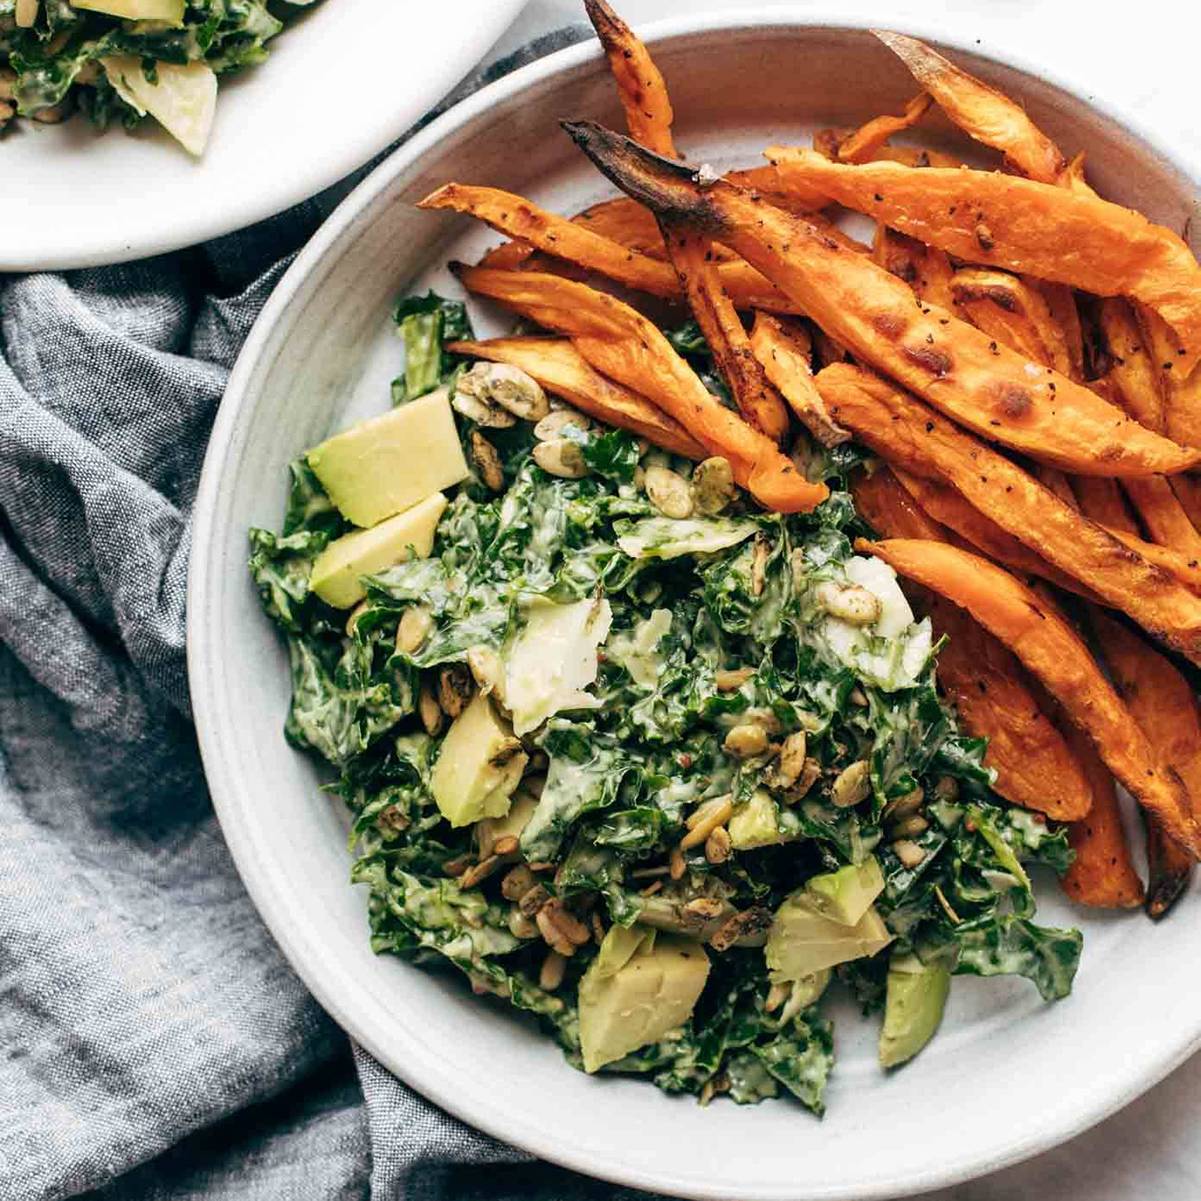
[{"x": 153, "y": 1042}]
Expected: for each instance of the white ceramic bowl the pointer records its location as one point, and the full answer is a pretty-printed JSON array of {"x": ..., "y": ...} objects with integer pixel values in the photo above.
[
  {"x": 344, "y": 81},
  {"x": 1007, "y": 1076}
]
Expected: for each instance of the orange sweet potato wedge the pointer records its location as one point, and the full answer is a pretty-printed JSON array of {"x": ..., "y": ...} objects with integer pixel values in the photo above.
[
  {"x": 982, "y": 112},
  {"x": 752, "y": 390},
  {"x": 1015, "y": 314},
  {"x": 952, "y": 364},
  {"x": 1061, "y": 300},
  {"x": 889, "y": 509},
  {"x": 1184, "y": 569},
  {"x": 640, "y": 86},
  {"x": 1054, "y": 654},
  {"x": 899, "y": 427},
  {"x": 560, "y": 368},
  {"x": 1163, "y": 516},
  {"x": 784, "y": 348},
  {"x": 1133, "y": 374},
  {"x": 862, "y": 145},
  {"x": 1022, "y": 225},
  {"x": 1103, "y": 874},
  {"x": 1188, "y": 492},
  {"x": 1102, "y": 501},
  {"x": 622, "y": 344},
  {"x": 1165, "y": 706},
  {"x": 926, "y": 269},
  {"x": 1179, "y": 385}
]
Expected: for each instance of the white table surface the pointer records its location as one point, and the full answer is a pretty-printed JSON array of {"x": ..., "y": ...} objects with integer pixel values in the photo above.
[{"x": 1142, "y": 58}]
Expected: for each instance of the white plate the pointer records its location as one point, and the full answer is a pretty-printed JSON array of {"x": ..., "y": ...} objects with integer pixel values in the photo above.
[
  {"x": 1007, "y": 1076},
  {"x": 342, "y": 82}
]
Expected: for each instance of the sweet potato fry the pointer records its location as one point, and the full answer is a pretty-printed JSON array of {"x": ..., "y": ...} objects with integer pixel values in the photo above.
[
  {"x": 1102, "y": 874},
  {"x": 640, "y": 86},
  {"x": 1054, "y": 654},
  {"x": 766, "y": 183},
  {"x": 1131, "y": 369},
  {"x": 1102, "y": 501},
  {"x": 752, "y": 390},
  {"x": 1188, "y": 492},
  {"x": 1165, "y": 706},
  {"x": 862, "y": 145},
  {"x": 1016, "y": 315},
  {"x": 622, "y": 344},
  {"x": 885, "y": 505},
  {"x": 1021, "y": 225},
  {"x": 783, "y": 348},
  {"x": 560, "y": 368},
  {"x": 1061, "y": 301},
  {"x": 980, "y": 111},
  {"x": 952, "y": 364},
  {"x": 952, "y": 510},
  {"x": 902, "y": 429},
  {"x": 1184, "y": 569},
  {"x": 1163, "y": 516},
  {"x": 1179, "y": 385},
  {"x": 926, "y": 269}
]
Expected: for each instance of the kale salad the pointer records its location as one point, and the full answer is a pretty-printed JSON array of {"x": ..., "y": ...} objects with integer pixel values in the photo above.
[
  {"x": 119, "y": 61},
  {"x": 650, "y": 763}
]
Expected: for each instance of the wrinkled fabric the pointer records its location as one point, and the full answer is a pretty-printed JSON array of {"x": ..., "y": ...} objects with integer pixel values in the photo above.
[{"x": 153, "y": 1041}]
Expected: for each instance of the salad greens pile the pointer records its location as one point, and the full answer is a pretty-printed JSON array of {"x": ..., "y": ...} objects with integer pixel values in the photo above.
[
  {"x": 79, "y": 51},
  {"x": 716, "y": 623}
]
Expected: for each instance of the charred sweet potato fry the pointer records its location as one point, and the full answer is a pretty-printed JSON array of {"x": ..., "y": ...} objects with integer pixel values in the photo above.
[
  {"x": 862, "y": 145},
  {"x": 1054, "y": 654},
  {"x": 1163, "y": 516},
  {"x": 752, "y": 390},
  {"x": 1102, "y": 874},
  {"x": 901, "y": 428},
  {"x": 889, "y": 509},
  {"x": 1021, "y": 225},
  {"x": 783, "y": 349},
  {"x": 1184, "y": 569},
  {"x": 982, "y": 112},
  {"x": 1131, "y": 370},
  {"x": 955, "y": 366},
  {"x": 560, "y": 368},
  {"x": 640, "y": 86},
  {"x": 926, "y": 269},
  {"x": 622, "y": 344},
  {"x": 1165, "y": 706},
  {"x": 1016, "y": 315}
]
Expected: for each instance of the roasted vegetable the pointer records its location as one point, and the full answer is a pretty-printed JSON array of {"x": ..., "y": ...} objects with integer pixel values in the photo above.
[
  {"x": 1163, "y": 516},
  {"x": 1133, "y": 375},
  {"x": 1015, "y": 314},
  {"x": 863, "y": 145}
]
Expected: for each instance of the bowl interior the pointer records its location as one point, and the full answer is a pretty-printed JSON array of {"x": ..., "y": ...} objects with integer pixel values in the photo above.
[{"x": 1011, "y": 1075}]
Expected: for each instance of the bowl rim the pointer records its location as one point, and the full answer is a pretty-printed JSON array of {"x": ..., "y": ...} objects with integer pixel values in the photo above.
[{"x": 203, "y": 640}]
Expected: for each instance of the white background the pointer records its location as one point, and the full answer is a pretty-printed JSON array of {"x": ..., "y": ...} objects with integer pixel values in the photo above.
[{"x": 1142, "y": 58}]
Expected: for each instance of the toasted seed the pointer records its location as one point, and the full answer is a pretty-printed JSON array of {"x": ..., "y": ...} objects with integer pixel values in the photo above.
[
  {"x": 759, "y": 554},
  {"x": 857, "y": 697},
  {"x": 429, "y": 710},
  {"x": 352, "y": 621},
  {"x": 909, "y": 853},
  {"x": 507, "y": 386},
  {"x": 560, "y": 928},
  {"x": 653, "y": 887},
  {"x": 902, "y": 806},
  {"x": 704, "y": 909},
  {"x": 850, "y": 603},
  {"x": 505, "y": 846},
  {"x": 554, "y": 966},
  {"x": 749, "y": 921},
  {"x": 704, "y": 811},
  {"x": 718, "y": 845},
  {"x": 393, "y": 819},
  {"x": 791, "y": 762},
  {"x": 598, "y": 928},
  {"x": 561, "y": 457},
  {"x": 852, "y": 785},
  {"x": 731, "y": 680},
  {"x": 555, "y": 422},
  {"x": 540, "y": 865},
  {"x": 476, "y": 409},
  {"x": 810, "y": 773},
  {"x": 521, "y": 926},
  {"x": 414, "y": 628},
  {"x": 717, "y": 813},
  {"x": 776, "y": 996},
  {"x": 746, "y": 740},
  {"x": 713, "y": 485},
  {"x": 487, "y": 462},
  {"x": 530, "y": 902},
  {"x": 486, "y": 669},
  {"x": 909, "y": 826},
  {"x": 478, "y": 873},
  {"x": 946, "y": 788},
  {"x": 457, "y": 866},
  {"x": 454, "y": 689},
  {"x": 676, "y": 864},
  {"x": 668, "y": 492},
  {"x": 517, "y": 882},
  {"x": 551, "y": 934}
]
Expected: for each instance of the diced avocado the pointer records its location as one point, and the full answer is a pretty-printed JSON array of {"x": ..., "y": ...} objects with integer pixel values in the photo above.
[
  {"x": 339, "y": 567},
  {"x": 801, "y": 941},
  {"x": 640, "y": 986},
  {"x": 479, "y": 765},
  {"x": 755, "y": 824},
  {"x": 387, "y": 464},
  {"x": 846, "y": 895},
  {"x": 168, "y": 11},
  {"x": 913, "y": 1007},
  {"x": 492, "y": 829}
]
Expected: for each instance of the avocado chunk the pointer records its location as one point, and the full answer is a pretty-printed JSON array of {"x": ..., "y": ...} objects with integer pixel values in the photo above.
[
  {"x": 802, "y": 941},
  {"x": 170, "y": 12},
  {"x": 913, "y": 1007},
  {"x": 755, "y": 824},
  {"x": 479, "y": 766},
  {"x": 639, "y": 986},
  {"x": 846, "y": 895},
  {"x": 388, "y": 463},
  {"x": 339, "y": 568}
]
